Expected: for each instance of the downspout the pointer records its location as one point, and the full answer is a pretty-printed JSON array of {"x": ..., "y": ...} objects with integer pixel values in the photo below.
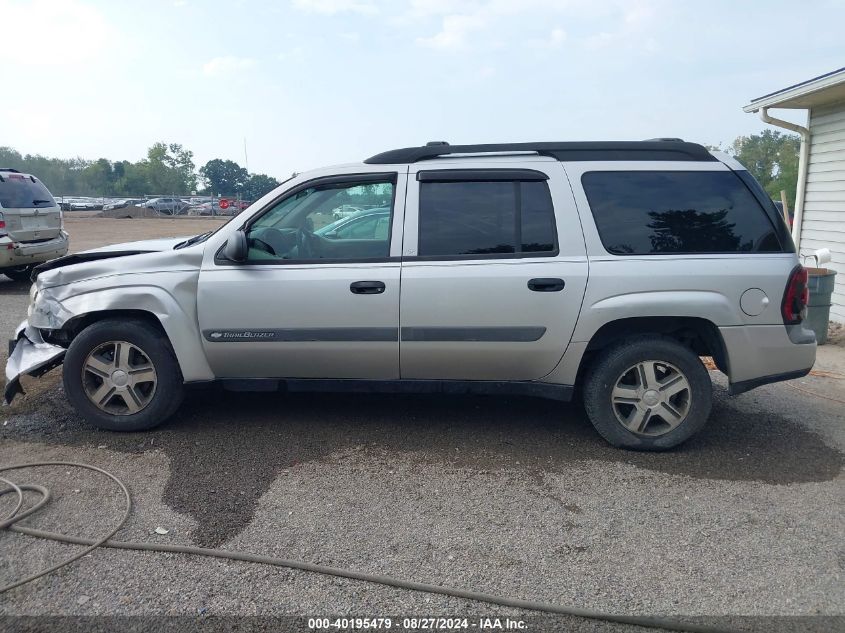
[{"x": 803, "y": 162}]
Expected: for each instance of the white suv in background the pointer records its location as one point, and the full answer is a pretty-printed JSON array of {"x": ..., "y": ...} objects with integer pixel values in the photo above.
[{"x": 31, "y": 225}]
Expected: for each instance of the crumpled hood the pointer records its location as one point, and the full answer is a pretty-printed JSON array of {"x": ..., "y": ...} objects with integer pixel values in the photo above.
[
  {"x": 146, "y": 246},
  {"x": 136, "y": 257}
]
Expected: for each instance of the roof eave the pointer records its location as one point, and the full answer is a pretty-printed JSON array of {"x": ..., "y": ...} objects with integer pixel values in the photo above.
[{"x": 801, "y": 96}]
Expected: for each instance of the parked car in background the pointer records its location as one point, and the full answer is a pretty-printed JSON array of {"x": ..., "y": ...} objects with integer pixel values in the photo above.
[
  {"x": 370, "y": 224},
  {"x": 209, "y": 208},
  {"x": 167, "y": 206},
  {"x": 31, "y": 224},
  {"x": 344, "y": 211},
  {"x": 125, "y": 202},
  {"x": 80, "y": 203}
]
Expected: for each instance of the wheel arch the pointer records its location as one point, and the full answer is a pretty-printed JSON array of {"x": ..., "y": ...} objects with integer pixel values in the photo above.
[
  {"x": 148, "y": 303},
  {"x": 698, "y": 334}
]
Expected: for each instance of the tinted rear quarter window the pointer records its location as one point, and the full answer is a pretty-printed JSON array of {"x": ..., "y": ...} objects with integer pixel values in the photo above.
[
  {"x": 465, "y": 218},
  {"x": 653, "y": 212}
]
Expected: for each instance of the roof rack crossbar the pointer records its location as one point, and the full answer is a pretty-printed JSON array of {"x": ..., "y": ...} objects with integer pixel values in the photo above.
[{"x": 655, "y": 149}]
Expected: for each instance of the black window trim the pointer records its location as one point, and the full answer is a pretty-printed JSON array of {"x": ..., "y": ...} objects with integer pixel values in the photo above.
[
  {"x": 369, "y": 178},
  {"x": 519, "y": 254},
  {"x": 784, "y": 249},
  {"x": 480, "y": 175}
]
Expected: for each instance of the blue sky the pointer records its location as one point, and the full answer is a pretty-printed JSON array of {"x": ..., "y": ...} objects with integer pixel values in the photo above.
[{"x": 316, "y": 82}]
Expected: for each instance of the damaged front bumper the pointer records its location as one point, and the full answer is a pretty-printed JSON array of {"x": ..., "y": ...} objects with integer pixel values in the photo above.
[{"x": 30, "y": 355}]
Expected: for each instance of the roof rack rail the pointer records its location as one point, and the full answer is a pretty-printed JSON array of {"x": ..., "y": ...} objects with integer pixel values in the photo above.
[
  {"x": 9, "y": 169},
  {"x": 663, "y": 149}
]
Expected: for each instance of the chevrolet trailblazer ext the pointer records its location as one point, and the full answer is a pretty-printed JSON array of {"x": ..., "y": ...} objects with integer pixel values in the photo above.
[{"x": 606, "y": 268}]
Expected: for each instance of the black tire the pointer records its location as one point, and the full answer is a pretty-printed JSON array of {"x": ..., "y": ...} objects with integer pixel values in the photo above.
[
  {"x": 168, "y": 391},
  {"x": 609, "y": 367},
  {"x": 22, "y": 273}
]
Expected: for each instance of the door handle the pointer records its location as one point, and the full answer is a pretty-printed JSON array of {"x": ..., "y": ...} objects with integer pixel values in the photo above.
[
  {"x": 367, "y": 287},
  {"x": 546, "y": 284}
]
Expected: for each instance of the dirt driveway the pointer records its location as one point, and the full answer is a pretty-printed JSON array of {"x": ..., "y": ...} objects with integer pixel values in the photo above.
[{"x": 743, "y": 526}]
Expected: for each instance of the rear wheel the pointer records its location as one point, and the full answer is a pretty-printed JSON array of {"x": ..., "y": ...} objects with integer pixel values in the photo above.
[
  {"x": 647, "y": 393},
  {"x": 122, "y": 375},
  {"x": 21, "y": 273}
]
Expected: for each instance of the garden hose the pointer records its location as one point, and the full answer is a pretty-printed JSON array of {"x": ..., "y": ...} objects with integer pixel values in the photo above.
[{"x": 10, "y": 522}]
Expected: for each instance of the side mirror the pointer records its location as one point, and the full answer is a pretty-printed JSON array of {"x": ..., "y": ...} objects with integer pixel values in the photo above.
[{"x": 236, "y": 248}]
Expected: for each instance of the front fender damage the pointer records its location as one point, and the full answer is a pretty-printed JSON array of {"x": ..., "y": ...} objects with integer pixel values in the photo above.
[{"x": 30, "y": 355}]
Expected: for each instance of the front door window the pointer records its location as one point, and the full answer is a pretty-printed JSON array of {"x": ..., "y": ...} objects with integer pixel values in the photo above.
[{"x": 337, "y": 222}]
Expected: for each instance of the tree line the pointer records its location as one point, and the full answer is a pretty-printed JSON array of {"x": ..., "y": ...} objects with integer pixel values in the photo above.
[
  {"x": 168, "y": 169},
  {"x": 771, "y": 157}
]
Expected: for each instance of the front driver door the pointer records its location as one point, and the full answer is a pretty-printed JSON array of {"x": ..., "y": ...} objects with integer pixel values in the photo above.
[{"x": 319, "y": 294}]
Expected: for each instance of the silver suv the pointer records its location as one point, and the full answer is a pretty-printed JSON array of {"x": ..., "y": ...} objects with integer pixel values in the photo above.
[
  {"x": 30, "y": 224},
  {"x": 545, "y": 269}
]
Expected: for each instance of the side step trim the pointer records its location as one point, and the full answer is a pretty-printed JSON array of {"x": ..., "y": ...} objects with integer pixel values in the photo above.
[{"x": 350, "y": 385}]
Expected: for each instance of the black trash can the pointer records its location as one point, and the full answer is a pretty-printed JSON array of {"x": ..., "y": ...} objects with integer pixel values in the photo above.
[{"x": 821, "y": 283}]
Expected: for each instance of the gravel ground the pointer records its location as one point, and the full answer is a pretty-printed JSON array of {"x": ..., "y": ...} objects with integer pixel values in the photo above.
[{"x": 511, "y": 496}]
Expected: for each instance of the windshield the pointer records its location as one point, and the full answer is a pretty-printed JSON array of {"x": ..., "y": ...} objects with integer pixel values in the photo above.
[
  {"x": 23, "y": 192},
  {"x": 202, "y": 237}
]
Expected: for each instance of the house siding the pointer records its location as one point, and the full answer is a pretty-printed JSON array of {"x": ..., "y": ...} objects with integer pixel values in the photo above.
[{"x": 824, "y": 199}]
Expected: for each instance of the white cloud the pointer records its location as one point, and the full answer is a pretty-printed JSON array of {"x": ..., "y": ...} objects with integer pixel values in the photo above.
[
  {"x": 296, "y": 54},
  {"x": 454, "y": 31},
  {"x": 555, "y": 40},
  {"x": 557, "y": 37},
  {"x": 423, "y": 8},
  {"x": 632, "y": 28},
  {"x": 36, "y": 33},
  {"x": 331, "y": 7},
  {"x": 486, "y": 72},
  {"x": 221, "y": 66}
]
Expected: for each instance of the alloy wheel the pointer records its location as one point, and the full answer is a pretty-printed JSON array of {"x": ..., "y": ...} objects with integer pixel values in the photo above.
[
  {"x": 651, "y": 398},
  {"x": 119, "y": 378}
]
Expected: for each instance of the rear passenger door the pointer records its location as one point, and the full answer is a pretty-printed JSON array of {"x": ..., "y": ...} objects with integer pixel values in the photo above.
[{"x": 493, "y": 270}]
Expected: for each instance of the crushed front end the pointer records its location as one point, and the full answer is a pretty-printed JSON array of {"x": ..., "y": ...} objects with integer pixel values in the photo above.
[{"x": 29, "y": 354}]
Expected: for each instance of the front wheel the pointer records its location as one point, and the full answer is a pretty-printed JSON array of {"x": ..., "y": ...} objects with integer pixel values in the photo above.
[
  {"x": 647, "y": 393},
  {"x": 21, "y": 273},
  {"x": 122, "y": 375}
]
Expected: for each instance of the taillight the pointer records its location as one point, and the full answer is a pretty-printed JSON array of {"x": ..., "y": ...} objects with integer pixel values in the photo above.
[
  {"x": 796, "y": 297},
  {"x": 2, "y": 224}
]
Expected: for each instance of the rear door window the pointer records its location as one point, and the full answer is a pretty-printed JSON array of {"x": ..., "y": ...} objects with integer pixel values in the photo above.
[
  {"x": 494, "y": 218},
  {"x": 21, "y": 192},
  {"x": 654, "y": 212}
]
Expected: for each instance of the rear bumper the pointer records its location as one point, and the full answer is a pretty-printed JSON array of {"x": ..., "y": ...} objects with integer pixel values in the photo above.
[
  {"x": 29, "y": 354},
  {"x": 762, "y": 354},
  {"x": 747, "y": 385},
  {"x": 14, "y": 254}
]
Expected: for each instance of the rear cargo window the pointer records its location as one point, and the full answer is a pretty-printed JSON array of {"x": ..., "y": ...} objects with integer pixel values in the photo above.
[
  {"x": 19, "y": 192},
  {"x": 652, "y": 212}
]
